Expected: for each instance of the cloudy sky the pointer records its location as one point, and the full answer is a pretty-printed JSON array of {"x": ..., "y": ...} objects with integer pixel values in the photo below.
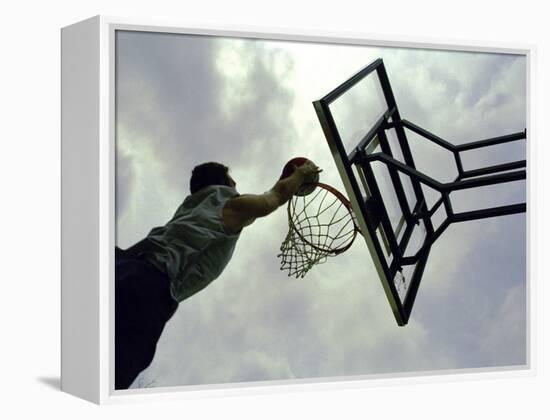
[{"x": 183, "y": 100}]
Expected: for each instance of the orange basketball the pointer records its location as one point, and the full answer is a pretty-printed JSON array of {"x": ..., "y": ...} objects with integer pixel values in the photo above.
[{"x": 308, "y": 187}]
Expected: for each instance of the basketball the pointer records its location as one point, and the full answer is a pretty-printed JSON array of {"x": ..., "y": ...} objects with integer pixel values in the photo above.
[{"x": 288, "y": 169}]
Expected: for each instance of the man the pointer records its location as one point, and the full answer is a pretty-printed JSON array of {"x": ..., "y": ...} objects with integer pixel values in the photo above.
[{"x": 179, "y": 259}]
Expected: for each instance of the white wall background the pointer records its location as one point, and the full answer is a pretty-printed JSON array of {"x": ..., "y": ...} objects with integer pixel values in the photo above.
[{"x": 29, "y": 308}]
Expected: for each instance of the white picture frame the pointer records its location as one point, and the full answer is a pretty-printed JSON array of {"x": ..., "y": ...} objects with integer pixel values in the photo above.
[{"x": 88, "y": 169}]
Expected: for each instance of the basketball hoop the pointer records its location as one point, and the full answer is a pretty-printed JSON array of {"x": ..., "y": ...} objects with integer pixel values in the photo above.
[{"x": 320, "y": 225}]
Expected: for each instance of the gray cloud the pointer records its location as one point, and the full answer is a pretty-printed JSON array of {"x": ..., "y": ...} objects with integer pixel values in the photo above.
[
  {"x": 171, "y": 93},
  {"x": 124, "y": 180},
  {"x": 462, "y": 300}
]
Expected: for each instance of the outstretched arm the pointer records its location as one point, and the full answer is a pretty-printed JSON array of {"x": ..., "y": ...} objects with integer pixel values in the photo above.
[{"x": 241, "y": 211}]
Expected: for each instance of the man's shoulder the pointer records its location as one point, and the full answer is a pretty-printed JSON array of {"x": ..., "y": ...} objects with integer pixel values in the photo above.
[
  {"x": 214, "y": 190},
  {"x": 213, "y": 194}
]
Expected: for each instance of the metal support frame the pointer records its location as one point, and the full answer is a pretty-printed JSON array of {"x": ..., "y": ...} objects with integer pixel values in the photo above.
[
  {"x": 497, "y": 176},
  {"x": 490, "y": 175},
  {"x": 362, "y": 159}
]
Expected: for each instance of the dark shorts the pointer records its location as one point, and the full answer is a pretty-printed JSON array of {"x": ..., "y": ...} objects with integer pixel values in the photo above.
[{"x": 143, "y": 305}]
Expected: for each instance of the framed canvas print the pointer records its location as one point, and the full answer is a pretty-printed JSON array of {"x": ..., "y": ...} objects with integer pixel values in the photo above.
[{"x": 250, "y": 210}]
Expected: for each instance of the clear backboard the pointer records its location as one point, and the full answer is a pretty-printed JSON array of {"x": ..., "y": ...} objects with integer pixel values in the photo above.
[{"x": 356, "y": 119}]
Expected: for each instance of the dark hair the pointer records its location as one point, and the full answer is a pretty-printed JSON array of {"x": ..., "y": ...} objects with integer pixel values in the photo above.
[{"x": 206, "y": 174}]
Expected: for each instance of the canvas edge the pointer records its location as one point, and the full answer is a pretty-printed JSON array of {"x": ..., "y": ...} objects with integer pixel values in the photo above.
[{"x": 80, "y": 309}]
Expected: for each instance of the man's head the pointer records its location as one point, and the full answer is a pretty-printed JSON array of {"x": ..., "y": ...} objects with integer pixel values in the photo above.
[{"x": 210, "y": 173}]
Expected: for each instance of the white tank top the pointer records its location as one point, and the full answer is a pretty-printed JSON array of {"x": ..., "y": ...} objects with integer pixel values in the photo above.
[{"x": 193, "y": 248}]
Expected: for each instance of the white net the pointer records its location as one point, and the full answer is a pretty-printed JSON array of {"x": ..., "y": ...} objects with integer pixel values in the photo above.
[{"x": 320, "y": 225}]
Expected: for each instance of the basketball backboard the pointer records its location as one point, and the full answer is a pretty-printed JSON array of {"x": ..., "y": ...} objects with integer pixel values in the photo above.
[
  {"x": 368, "y": 141},
  {"x": 356, "y": 119}
]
